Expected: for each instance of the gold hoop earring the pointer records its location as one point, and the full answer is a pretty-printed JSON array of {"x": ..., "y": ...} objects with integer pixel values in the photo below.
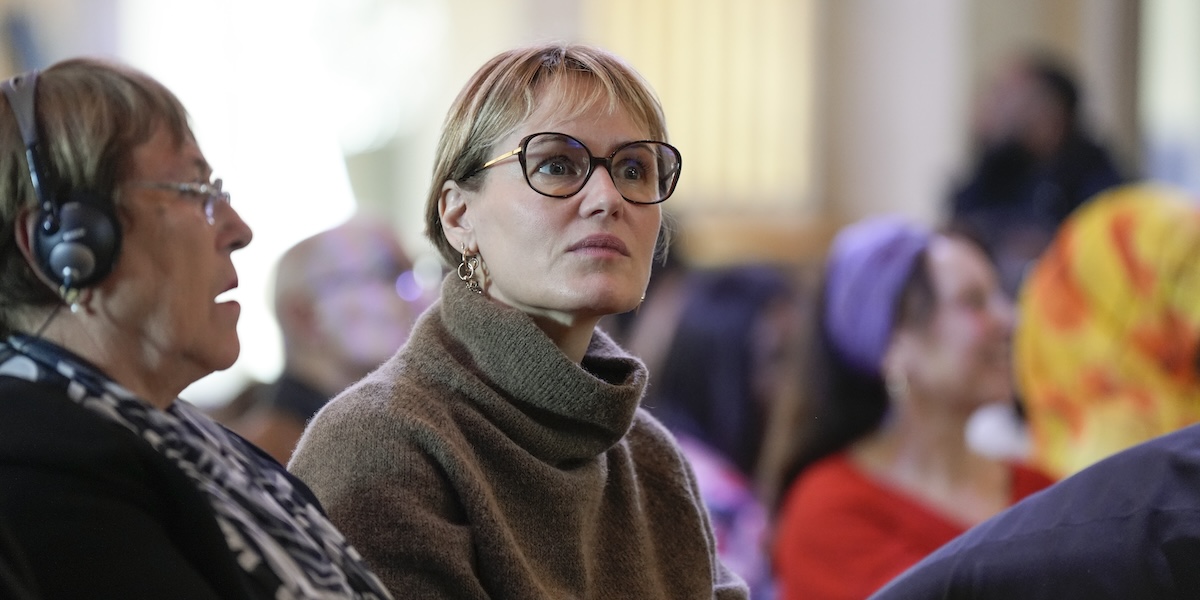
[{"x": 466, "y": 271}]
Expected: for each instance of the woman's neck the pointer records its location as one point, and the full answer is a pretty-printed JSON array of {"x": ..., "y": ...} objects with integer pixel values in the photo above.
[
  {"x": 927, "y": 456},
  {"x": 572, "y": 338},
  {"x": 136, "y": 366}
]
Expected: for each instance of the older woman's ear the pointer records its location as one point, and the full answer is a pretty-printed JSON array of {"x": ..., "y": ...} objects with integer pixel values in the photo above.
[
  {"x": 23, "y": 232},
  {"x": 452, "y": 209}
]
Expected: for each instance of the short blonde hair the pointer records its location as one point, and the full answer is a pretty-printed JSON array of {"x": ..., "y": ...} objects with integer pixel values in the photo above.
[{"x": 505, "y": 92}]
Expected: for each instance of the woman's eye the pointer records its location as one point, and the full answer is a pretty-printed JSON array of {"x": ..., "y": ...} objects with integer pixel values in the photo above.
[
  {"x": 559, "y": 166},
  {"x": 631, "y": 170}
]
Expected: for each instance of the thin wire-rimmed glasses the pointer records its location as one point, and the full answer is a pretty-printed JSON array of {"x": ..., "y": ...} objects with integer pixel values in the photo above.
[
  {"x": 209, "y": 193},
  {"x": 558, "y": 165}
]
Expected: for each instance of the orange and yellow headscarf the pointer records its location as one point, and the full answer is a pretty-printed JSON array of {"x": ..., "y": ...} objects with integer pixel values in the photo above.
[{"x": 1106, "y": 346}]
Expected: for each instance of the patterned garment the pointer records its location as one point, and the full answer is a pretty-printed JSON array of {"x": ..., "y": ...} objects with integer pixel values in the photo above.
[
  {"x": 739, "y": 520},
  {"x": 283, "y": 541},
  {"x": 1110, "y": 323}
]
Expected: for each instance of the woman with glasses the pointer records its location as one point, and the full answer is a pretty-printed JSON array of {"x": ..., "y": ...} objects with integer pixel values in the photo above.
[
  {"x": 115, "y": 260},
  {"x": 502, "y": 453}
]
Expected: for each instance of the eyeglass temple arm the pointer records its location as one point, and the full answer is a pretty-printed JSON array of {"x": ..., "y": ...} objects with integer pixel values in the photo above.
[{"x": 499, "y": 158}]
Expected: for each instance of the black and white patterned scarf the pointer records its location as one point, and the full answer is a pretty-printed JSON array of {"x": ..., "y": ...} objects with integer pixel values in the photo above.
[{"x": 282, "y": 540}]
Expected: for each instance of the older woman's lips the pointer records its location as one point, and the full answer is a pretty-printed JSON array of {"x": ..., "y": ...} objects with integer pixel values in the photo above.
[
  {"x": 600, "y": 244},
  {"x": 226, "y": 296}
]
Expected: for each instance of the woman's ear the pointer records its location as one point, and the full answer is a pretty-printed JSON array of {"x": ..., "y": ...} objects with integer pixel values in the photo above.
[
  {"x": 23, "y": 231},
  {"x": 899, "y": 354},
  {"x": 895, "y": 366},
  {"x": 23, "y": 234},
  {"x": 456, "y": 222}
]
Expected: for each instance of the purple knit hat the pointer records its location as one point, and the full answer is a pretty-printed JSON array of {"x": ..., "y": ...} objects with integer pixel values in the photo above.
[{"x": 869, "y": 263}]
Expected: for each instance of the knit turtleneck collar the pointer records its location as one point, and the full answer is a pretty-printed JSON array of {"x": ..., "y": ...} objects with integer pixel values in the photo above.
[{"x": 522, "y": 382}]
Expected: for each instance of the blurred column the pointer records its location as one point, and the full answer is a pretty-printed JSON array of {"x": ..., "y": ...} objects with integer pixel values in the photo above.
[
  {"x": 1170, "y": 84},
  {"x": 1109, "y": 60},
  {"x": 893, "y": 104}
]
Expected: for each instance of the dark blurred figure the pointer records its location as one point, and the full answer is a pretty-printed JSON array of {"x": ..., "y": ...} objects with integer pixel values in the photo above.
[
  {"x": 345, "y": 300},
  {"x": 1036, "y": 163},
  {"x": 871, "y": 470},
  {"x": 725, "y": 358},
  {"x": 725, "y": 363}
]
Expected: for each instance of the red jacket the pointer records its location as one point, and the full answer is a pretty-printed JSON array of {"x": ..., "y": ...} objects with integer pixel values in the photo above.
[{"x": 842, "y": 535}]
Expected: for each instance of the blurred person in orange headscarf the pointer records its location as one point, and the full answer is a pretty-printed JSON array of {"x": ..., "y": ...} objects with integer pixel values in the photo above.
[{"x": 1106, "y": 349}]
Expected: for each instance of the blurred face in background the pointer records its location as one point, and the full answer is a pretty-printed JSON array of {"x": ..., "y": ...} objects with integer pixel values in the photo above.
[
  {"x": 963, "y": 354},
  {"x": 364, "y": 302}
]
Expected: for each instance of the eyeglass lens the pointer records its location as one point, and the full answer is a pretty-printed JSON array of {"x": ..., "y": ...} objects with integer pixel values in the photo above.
[
  {"x": 215, "y": 194},
  {"x": 559, "y": 165}
]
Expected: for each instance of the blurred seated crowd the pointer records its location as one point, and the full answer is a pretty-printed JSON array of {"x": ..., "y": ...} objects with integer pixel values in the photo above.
[{"x": 826, "y": 412}]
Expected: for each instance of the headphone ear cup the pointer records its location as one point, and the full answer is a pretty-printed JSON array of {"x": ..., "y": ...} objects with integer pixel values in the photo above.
[{"x": 80, "y": 245}]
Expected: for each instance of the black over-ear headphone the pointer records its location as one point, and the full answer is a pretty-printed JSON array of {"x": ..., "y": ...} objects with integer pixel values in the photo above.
[{"x": 77, "y": 235}]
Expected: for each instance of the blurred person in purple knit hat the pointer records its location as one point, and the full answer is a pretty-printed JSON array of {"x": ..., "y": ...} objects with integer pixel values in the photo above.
[{"x": 870, "y": 469}]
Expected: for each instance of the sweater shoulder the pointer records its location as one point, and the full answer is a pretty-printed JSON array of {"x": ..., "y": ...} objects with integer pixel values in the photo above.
[
  {"x": 648, "y": 431},
  {"x": 393, "y": 421},
  {"x": 656, "y": 453}
]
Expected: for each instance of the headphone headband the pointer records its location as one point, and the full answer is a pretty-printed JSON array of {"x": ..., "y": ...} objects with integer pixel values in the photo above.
[{"x": 22, "y": 95}]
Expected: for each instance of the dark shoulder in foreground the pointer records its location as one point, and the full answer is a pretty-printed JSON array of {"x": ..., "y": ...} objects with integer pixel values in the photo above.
[
  {"x": 1126, "y": 527},
  {"x": 95, "y": 511}
]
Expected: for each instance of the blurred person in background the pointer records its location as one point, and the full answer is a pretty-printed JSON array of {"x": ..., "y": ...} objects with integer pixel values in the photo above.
[
  {"x": 872, "y": 470},
  {"x": 346, "y": 300},
  {"x": 502, "y": 453},
  {"x": 1106, "y": 350},
  {"x": 1106, "y": 353},
  {"x": 111, "y": 486},
  {"x": 1036, "y": 163},
  {"x": 727, "y": 361}
]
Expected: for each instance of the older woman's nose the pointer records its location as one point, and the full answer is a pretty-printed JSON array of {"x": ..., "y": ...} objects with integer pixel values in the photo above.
[{"x": 240, "y": 232}]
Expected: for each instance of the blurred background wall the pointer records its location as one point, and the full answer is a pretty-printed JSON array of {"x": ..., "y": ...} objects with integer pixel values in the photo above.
[{"x": 793, "y": 116}]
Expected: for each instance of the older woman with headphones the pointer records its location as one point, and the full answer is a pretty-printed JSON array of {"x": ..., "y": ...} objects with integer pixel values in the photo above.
[{"x": 111, "y": 486}]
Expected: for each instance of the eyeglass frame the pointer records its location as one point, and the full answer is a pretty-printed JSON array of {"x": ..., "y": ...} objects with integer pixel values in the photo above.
[
  {"x": 593, "y": 160},
  {"x": 209, "y": 191}
]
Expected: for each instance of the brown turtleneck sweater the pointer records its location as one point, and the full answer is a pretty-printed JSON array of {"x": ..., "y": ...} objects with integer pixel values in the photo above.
[{"x": 481, "y": 462}]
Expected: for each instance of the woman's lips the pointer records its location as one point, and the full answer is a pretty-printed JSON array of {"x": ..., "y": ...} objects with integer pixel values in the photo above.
[{"x": 601, "y": 242}]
